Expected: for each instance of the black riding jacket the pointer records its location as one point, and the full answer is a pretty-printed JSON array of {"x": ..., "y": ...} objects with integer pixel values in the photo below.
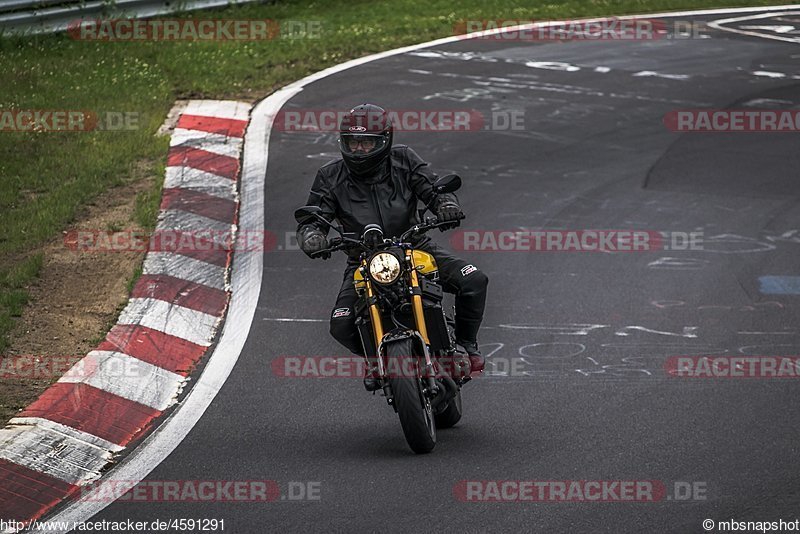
[{"x": 389, "y": 197}]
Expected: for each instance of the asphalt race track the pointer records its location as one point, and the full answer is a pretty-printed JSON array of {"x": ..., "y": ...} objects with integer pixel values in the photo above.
[{"x": 590, "y": 332}]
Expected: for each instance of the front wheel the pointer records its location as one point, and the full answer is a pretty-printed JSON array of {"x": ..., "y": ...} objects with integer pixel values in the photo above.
[{"x": 413, "y": 407}]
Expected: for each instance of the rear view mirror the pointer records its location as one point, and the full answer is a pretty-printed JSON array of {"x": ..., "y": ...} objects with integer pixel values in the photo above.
[
  {"x": 306, "y": 214},
  {"x": 447, "y": 184}
]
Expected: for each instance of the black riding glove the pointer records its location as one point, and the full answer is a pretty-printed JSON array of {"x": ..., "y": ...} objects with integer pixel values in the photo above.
[
  {"x": 449, "y": 211},
  {"x": 314, "y": 241}
]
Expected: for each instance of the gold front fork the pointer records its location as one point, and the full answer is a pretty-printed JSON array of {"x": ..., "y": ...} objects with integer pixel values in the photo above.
[
  {"x": 374, "y": 311},
  {"x": 416, "y": 301}
]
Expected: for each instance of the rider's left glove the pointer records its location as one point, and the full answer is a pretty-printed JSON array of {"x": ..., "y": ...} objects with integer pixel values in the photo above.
[{"x": 449, "y": 211}]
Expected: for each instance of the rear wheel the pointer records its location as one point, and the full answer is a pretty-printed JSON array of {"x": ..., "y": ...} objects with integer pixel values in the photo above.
[{"x": 413, "y": 407}]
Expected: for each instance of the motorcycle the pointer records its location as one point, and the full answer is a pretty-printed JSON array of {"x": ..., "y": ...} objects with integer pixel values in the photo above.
[{"x": 408, "y": 338}]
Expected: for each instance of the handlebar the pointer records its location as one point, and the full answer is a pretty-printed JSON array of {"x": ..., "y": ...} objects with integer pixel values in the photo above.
[
  {"x": 341, "y": 242},
  {"x": 429, "y": 224},
  {"x": 338, "y": 243}
]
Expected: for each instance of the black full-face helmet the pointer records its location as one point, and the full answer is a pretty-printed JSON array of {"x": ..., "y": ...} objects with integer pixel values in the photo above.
[{"x": 365, "y": 138}]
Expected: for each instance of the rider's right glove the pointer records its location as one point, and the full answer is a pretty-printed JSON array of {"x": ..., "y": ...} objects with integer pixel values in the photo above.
[{"x": 314, "y": 241}]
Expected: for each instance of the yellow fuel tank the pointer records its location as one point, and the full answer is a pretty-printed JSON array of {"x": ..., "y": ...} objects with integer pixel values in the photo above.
[
  {"x": 426, "y": 260},
  {"x": 358, "y": 281}
]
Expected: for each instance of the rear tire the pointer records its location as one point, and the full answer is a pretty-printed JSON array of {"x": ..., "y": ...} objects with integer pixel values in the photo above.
[
  {"x": 414, "y": 410},
  {"x": 450, "y": 415}
]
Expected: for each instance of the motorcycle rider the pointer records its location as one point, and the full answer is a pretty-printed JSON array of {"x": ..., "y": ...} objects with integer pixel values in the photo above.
[{"x": 376, "y": 182}]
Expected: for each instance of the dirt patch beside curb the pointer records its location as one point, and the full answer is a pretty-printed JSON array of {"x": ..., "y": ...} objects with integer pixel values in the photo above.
[{"x": 75, "y": 300}]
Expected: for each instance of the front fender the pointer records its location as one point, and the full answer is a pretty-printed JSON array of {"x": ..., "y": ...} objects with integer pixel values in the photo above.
[{"x": 403, "y": 336}]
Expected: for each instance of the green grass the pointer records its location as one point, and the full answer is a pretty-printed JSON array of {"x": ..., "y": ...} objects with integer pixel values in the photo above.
[
  {"x": 13, "y": 296},
  {"x": 47, "y": 178}
]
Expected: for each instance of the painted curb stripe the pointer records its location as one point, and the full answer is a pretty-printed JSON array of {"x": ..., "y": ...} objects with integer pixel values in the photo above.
[
  {"x": 196, "y": 158},
  {"x": 191, "y": 325},
  {"x": 53, "y": 453},
  {"x": 181, "y": 293},
  {"x": 202, "y": 267},
  {"x": 129, "y": 378},
  {"x": 216, "y": 125},
  {"x": 198, "y": 180},
  {"x": 194, "y": 232},
  {"x": 227, "y": 109},
  {"x": 218, "y": 256},
  {"x": 168, "y": 352},
  {"x": 199, "y": 203},
  {"x": 210, "y": 142},
  {"x": 93, "y": 411},
  {"x": 68, "y": 431},
  {"x": 26, "y": 493}
]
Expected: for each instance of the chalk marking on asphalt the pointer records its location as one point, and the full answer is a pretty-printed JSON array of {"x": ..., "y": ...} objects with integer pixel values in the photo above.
[
  {"x": 767, "y": 333},
  {"x": 566, "y": 330},
  {"x": 688, "y": 331},
  {"x": 768, "y": 74},
  {"x": 719, "y": 25},
  {"x": 654, "y": 74},
  {"x": 678, "y": 263}
]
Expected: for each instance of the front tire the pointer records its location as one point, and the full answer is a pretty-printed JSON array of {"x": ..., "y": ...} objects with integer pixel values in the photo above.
[{"x": 413, "y": 408}]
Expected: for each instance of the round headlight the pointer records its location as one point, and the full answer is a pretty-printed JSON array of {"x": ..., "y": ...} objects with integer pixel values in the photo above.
[{"x": 384, "y": 268}]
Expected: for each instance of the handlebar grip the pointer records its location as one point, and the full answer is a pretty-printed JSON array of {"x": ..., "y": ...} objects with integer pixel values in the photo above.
[{"x": 461, "y": 218}]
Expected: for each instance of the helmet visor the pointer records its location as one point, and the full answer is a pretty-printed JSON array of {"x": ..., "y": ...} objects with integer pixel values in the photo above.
[{"x": 362, "y": 144}]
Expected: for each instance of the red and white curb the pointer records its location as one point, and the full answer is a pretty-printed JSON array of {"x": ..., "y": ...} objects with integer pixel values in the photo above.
[{"x": 64, "y": 439}]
